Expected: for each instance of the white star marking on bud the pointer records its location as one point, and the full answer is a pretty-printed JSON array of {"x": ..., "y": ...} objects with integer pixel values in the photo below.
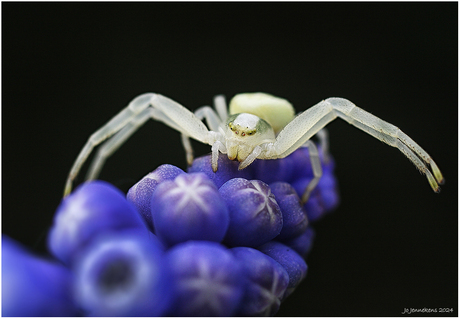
[
  {"x": 209, "y": 289},
  {"x": 270, "y": 295},
  {"x": 190, "y": 192},
  {"x": 268, "y": 200},
  {"x": 69, "y": 221}
]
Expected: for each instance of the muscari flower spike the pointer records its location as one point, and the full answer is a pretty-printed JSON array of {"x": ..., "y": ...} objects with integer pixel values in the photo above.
[{"x": 193, "y": 243}]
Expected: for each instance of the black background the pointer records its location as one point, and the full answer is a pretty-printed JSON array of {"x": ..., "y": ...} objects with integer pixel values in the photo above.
[{"x": 392, "y": 243}]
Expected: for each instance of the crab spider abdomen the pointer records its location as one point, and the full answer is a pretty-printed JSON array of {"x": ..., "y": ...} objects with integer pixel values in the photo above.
[{"x": 276, "y": 111}]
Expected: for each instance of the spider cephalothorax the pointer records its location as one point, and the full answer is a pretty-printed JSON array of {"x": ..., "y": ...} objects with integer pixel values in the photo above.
[{"x": 243, "y": 133}]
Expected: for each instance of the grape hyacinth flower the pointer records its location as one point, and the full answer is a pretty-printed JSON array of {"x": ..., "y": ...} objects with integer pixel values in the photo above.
[
  {"x": 34, "y": 286},
  {"x": 227, "y": 169},
  {"x": 325, "y": 196},
  {"x": 295, "y": 219},
  {"x": 290, "y": 260},
  {"x": 206, "y": 279},
  {"x": 123, "y": 274},
  {"x": 140, "y": 194},
  {"x": 255, "y": 216},
  {"x": 302, "y": 244},
  {"x": 92, "y": 208},
  {"x": 265, "y": 282},
  {"x": 189, "y": 208},
  {"x": 195, "y": 243}
]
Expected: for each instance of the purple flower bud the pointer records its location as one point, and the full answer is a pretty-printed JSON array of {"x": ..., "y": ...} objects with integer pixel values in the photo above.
[
  {"x": 328, "y": 165},
  {"x": 291, "y": 261},
  {"x": 265, "y": 282},
  {"x": 123, "y": 274},
  {"x": 303, "y": 243},
  {"x": 255, "y": 217},
  {"x": 294, "y": 216},
  {"x": 32, "y": 286},
  {"x": 226, "y": 169},
  {"x": 288, "y": 169},
  {"x": 93, "y": 208},
  {"x": 328, "y": 189},
  {"x": 314, "y": 207},
  {"x": 302, "y": 163},
  {"x": 141, "y": 193},
  {"x": 270, "y": 171},
  {"x": 326, "y": 192},
  {"x": 207, "y": 279},
  {"x": 189, "y": 208}
]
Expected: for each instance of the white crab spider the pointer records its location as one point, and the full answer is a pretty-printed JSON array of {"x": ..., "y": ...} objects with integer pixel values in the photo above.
[{"x": 258, "y": 125}]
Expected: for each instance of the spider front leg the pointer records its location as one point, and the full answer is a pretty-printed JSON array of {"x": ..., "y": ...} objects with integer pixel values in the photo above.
[
  {"x": 128, "y": 121},
  {"x": 308, "y": 123},
  {"x": 391, "y": 135},
  {"x": 119, "y": 121},
  {"x": 111, "y": 145}
]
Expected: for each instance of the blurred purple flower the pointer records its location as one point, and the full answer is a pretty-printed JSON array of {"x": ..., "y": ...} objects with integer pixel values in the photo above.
[
  {"x": 123, "y": 274},
  {"x": 33, "y": 286},
  {"x": 93, "y": 208}
]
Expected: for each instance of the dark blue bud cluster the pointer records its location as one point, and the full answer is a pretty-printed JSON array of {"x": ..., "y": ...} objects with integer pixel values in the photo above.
[{"x": 230, "y": 243}]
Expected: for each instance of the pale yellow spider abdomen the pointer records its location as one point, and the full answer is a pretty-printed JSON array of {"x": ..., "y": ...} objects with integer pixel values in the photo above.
[{"x": 276, "y": 111}]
